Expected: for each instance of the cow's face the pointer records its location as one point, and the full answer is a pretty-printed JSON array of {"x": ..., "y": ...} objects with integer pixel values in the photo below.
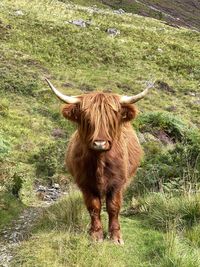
[{"x": 100, "y": 117}]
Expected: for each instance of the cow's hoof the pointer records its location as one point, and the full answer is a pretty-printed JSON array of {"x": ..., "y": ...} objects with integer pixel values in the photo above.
[
  {"x": 118, "y": 241},
  {"x": 115, "y": 236},
  {"x": 97, "y": 236}
]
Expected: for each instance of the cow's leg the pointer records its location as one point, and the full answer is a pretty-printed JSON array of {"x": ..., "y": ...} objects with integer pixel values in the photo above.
[
  {"x": 113, "y": 205},
  {"x": 93, "y": 204}
]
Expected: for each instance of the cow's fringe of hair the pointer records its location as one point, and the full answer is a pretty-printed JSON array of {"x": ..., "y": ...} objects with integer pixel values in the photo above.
[{"x": 100, "y": 115}]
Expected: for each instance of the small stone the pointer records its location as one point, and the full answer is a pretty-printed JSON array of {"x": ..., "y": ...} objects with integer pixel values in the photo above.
[
  {"x": 56, "y": 186},
  {"x": 47, "y": 198},
  {"x": 191, "y": 94},
  {"x": 19, "y": 13},
  {"x": 160, "y": 50},
  {"x": 119, "y": 11},
  {"x": 113, "y": 32},
  {"x": 50, "y": 189},
  {"x": 78, "y": 22},
  {"x": 41, "y": 188}
]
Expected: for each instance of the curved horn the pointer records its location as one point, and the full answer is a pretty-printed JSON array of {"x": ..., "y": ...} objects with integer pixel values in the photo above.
[
  {"x": 65, "y": 98},
  {"x": 135, "y": 98}
]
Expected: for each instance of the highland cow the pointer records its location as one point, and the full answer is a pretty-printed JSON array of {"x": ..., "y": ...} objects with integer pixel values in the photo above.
[{"x": 103, "y": 153}]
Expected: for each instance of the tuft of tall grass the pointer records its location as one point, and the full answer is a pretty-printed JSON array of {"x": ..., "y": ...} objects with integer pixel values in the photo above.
[
  {"x": 193, "y": 235},
  {"x": 178, "y": 253},
  {"x": 69, "y": 213},
  {"x": 171, "y": 212}
]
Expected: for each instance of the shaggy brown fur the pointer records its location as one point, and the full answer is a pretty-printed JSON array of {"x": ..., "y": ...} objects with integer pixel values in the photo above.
[{"x": 101, "y": 174}]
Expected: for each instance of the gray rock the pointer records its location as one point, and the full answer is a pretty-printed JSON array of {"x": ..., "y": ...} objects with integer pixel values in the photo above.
[
  {"x": 19, "y": 13},
  {"x": 50, "y": 190},
  {"x": 160, "y": 50},
  {"x": 113, "y": 31},
  {"x": 79, "y": 22},
  {"x": 119, "y": 11},
  {"x": 41, "y": 188},
  {"x": 56, "y": 186},
  {"x": 191, "y": 93}
]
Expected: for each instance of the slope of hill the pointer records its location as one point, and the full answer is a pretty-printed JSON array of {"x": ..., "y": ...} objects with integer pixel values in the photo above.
[
  {"x": 179, "y": 12},
  {"x": 39, "y": 38},
  {"x": 182, "y": 12}
]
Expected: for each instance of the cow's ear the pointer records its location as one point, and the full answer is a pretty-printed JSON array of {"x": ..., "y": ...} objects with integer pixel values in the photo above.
[
  {"x": 128, "y": 112},
  {"x": 71, "y": 112}
]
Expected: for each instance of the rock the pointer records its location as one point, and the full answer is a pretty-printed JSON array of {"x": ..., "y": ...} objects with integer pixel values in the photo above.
[
  {"x": 78, "y": 22},
  {"x": 81, "y": 23},
  {"x": 119, "y": 11},
  {"x": 113, "y": 32},
  {"x": 47, "y": 198},
  {"x": 41, "y": 188},
  {"x": 160, "y": 50},
  {"x": 56, "y": 186},
  {"x": 50, "y": 189},
  {"x": 191, "y": 93},
  {"x": 19, "y": 13}
]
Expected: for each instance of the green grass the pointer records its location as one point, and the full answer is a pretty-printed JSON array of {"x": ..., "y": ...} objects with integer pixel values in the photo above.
[
  {"x": 10, "y": 208},
  {"x": 61, "y": 238},
  {"x": 58, "y": 248},
  {"x": 165, "y": 212},
  {"x": 41, "y": 43}
]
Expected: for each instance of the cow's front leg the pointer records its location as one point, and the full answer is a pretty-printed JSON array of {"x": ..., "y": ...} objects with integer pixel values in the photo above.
[
  {"x": 93, "y": 204},
  {"x": 113, "y": 205}
]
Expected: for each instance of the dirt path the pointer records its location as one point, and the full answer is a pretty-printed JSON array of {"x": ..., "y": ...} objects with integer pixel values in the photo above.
[
  {"x": 17, "y": 231},
  {"x": 20, "y": 229}
]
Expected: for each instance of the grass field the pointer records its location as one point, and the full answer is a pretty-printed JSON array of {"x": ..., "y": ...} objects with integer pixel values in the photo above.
[{"x": 160, "y": 225}]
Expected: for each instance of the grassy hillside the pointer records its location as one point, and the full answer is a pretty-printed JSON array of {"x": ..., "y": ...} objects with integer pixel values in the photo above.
[
  {"x": 37, "y": 41},
  {"x": 181, "y": 13}
]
